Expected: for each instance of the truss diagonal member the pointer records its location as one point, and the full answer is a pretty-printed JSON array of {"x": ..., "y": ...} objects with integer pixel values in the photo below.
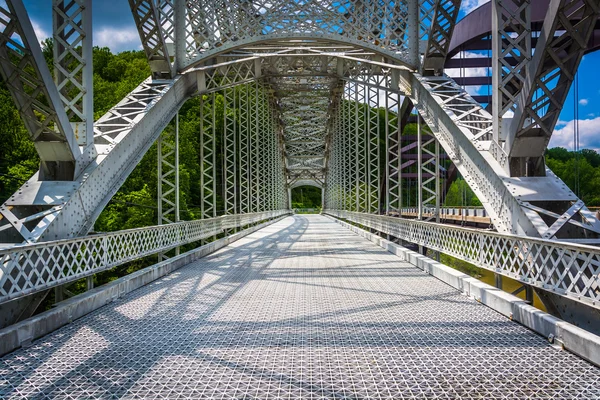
[
  {"x": 445, "y": 13},
  {"x": 562, "y": 42},
  {"x": 27, "y": 77},
  {"x": 153, "y": 19},
  {"x": 122, "y": 136},
  {"x": 505, "y": 198}
]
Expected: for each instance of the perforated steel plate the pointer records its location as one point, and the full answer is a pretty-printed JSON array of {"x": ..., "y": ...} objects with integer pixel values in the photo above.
[{"x": 301, "y": 309}]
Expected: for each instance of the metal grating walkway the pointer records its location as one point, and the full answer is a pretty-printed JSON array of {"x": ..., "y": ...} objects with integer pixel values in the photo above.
[{"x": 301, "y": 309}]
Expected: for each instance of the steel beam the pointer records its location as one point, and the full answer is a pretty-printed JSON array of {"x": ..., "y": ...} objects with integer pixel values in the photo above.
[
  {"x": 154, "y": 20},
  {"x": 73, "y": 67},
  {"x": 168, "y": 177},
  {"x": 27, "y": 77},
  {"x": 560, "y": 47}
]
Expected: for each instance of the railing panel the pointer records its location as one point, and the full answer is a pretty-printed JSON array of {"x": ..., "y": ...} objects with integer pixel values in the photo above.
[
  {"x": 563, "y": 268},
  {"x": 25, "y": 269}
]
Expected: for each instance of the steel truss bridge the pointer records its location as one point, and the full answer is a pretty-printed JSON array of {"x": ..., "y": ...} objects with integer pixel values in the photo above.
[{"x": 325, "y": 91}]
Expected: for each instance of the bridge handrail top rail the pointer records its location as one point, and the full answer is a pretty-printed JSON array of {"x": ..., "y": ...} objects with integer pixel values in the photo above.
[
  {"x": 25, "y": 246},
  {"x": 509, "y": 236}
]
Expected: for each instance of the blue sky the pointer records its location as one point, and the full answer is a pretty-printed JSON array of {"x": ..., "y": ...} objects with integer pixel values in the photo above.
[
  {"x": 114, "y": 28},
  {"x": 111, "y": 19}
]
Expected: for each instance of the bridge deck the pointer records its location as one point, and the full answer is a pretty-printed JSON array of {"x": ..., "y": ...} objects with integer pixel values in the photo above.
[{"x": 301, "y": 309}]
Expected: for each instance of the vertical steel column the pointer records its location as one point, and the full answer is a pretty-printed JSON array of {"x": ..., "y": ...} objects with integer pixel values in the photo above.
[
  {"x": 511, "y": 54},
  {"x": 208, "y": 179},
  {"x": 349, "y": 152},
  {"x": 168, "y": 177},
  {"x": 374, "y": 183},
  {"x": 393, "y": 142},
  {"x": 419, "y": 169},
  {"x": 252, "y": 148},
  {"x": 268, "y": 162},
  {"x": 73, "y": 66},
  {"x": 262, "y": 140},
  {"x": 230, "y": 167},
  {"x": 429, "y": 171},
  {"x": 412, "y": 20},
  {"x": 73, "y": 75},
  {"x": 256, "y": 136},
  {"x": 181, "y": 24},
  {"x": 358, "y": 150},
  {"x": 244, "y": 164}
]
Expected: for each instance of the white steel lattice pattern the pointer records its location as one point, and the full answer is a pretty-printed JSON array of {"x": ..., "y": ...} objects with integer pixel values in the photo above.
[
  {"x": 220, "y": 25},
  {"x": 302, "y": 309},
  {"x": 30, "y": 268},
  {"x": 562, "y": 268}
]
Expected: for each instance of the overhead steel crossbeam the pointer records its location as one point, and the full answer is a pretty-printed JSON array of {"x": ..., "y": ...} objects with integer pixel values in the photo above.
[{"x": 223, "y": 25}]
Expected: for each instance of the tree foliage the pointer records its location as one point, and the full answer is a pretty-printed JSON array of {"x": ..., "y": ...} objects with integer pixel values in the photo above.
[{"x": 306, "y": 197}]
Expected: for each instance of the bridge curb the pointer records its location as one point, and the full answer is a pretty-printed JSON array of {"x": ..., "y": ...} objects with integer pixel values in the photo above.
[
  {"x": 23, "y": 333},
  {"x": 566, "y": 335}
]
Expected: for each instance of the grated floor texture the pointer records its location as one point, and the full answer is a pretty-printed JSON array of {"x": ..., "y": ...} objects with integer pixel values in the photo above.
[{"x": 301, "y": 309}]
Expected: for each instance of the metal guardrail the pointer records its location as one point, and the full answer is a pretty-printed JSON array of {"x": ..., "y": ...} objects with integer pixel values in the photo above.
[
  {"x": 25, "y": 269},
  {"x": 458, "y": 211},
  {"x": 476, "y": 215},
  {"x": 563, "y": 268}
]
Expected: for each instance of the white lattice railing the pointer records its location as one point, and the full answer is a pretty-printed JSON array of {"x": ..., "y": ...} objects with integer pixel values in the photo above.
[
  {"x": 563, "y": 268},
  {"x": 25, "y": 269}
]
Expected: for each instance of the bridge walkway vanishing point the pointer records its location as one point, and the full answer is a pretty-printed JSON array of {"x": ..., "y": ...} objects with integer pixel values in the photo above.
[{"x": 303, "y": 308}]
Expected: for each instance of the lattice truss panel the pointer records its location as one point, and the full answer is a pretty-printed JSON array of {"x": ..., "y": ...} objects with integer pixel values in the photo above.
[
  {"x": 220, "y": 25},
  {"x": 538, "y": 206},
  {"x": 428, "y": 175},
  {"x": 72, "y": 65},
  {"x": 40, "y": 104},
  {"x": 154, "y": 20},
  {"x": 242, "y": 162},
  {"x": 562, "y": 268},
  {"x": 560, "y": 47},
  {"x": 364, "y": 154},
  {"x": 437, "y": 24},
  {"x": 168, "y": 174},
  {"x": 31, "y": 268}
]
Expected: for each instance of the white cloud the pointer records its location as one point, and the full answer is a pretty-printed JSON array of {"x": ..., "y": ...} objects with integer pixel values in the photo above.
[
  {"x": 589, "y": 134},
  {"x": 583, "y": 102},
  {"x": 469, "y": 5},
  {"x": 40, "y": 33},
  {"x": 117, "y": 39}
]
